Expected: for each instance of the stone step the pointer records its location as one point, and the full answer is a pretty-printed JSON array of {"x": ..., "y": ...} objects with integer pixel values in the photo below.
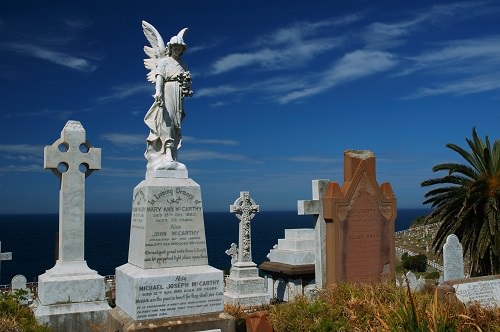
[{"x": 295, "y": 245}]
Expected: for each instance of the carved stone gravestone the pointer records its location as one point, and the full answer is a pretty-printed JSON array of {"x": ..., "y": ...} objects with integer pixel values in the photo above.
[
  {"x": 315, "y": 207},
  {"x": 167, "y": 282},
  {"x": 70, "y": 295},
  {"x": 4, "y": 256},
  {"x": 484, "y": 291},
  {"x": 19, "y": 282},
  {"x": 244, "y": 287},
  {"x": 360, "y": 218},
  {"x": 453, "y": 259}
]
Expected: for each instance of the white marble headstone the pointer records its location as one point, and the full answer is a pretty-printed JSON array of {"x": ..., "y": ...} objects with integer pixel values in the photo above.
[
  {"x": 453, "y": 260},
  {"x": 486, "y": 292}
]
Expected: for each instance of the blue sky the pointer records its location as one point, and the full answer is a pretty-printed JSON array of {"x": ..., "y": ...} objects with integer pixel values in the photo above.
[{"x": 281, "y": 90}]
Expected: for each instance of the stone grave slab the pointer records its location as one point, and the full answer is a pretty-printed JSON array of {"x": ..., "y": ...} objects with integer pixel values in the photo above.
[
  {"x": 360, "y": 217},
  {"x": 484, "y": 291},
  {"x": 453, "y": 259}
]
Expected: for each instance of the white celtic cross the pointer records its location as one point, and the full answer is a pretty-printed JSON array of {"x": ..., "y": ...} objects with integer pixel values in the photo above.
[
  {"x": 72, "y": 158},
  {"x": 244, "y": 208},
  {"x": 4, "y": 256}
]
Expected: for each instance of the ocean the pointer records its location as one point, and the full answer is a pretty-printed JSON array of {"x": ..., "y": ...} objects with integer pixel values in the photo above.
[{"x": 32, "y": 239}]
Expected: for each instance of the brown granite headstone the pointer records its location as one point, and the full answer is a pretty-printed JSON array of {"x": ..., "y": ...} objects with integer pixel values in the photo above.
[{"x": 360, "y": 219}]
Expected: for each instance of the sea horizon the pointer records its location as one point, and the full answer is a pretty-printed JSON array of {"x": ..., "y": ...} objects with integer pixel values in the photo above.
[{"x": 32, "y": 238}]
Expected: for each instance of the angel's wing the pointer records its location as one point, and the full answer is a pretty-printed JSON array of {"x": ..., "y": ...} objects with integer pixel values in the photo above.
[{"x": 155, "y": 52}]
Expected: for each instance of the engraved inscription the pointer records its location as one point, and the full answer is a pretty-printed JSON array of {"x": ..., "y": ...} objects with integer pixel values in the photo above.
[
  {"x": 364, "y": 254},
  {"x": 179, "y": 295}
]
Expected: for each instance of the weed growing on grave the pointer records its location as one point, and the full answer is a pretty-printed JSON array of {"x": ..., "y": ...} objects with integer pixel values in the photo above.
[{"x": 15, "y": 317}]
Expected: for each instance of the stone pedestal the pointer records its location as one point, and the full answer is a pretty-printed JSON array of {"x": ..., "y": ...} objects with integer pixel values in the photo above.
[
  {"x": 167, "y": 276},
  {"x": 71, "y": 297},
  {"x": 291, "y": 269},
  {"x": 244, "y": 287}
]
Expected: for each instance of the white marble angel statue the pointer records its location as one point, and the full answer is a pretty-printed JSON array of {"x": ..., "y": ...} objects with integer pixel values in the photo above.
[{"x": 172, "y": 83}]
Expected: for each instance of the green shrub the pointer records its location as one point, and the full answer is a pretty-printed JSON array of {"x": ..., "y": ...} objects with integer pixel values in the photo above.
[
  {"x": 416, "y": 263},
  {"x": 15, "y": 317}
]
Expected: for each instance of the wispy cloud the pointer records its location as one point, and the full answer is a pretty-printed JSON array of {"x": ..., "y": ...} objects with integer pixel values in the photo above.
[
  {"x": 125, "y": 91},
  {"x": 22, "y": 156},
  {"x": 286, "y": 47},
  {"x": 21, "y": 149},
  {"x": 211, "y": 141},
  {"x": 462, "y": 87},
  {"x": 351, "y": 66},
  {"x": 216, "y": 91},
  {"x": 78, "y": 23},
  {"x": 313, "y": 160},
  {"x": 197, "y": 155},
  {"x": 58, "y": 114},
  {"x": 473, "y": 55},
  {"x": 135, "y": 139},
  {"x": 45, "y": 53},
  {"x": 462, "y": 67},
  {"x": 124, "y": 139},
  {"x": 383, "y": 35}
]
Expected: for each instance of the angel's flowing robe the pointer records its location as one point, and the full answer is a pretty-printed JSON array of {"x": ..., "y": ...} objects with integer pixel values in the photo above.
[{"x": 164, "y": 121}]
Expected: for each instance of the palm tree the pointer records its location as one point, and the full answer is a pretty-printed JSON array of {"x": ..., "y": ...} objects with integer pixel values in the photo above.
[{"x": 467, "y": 202}]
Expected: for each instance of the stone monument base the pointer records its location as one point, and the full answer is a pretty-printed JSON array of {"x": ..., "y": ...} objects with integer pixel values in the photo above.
[
  {"x": 83, "y": 316},
  {"x": 119, "y": 321},
  {"x": 72, "y": 296},
  {"x": 244, "y": 287},
  {"x": 145, "y": 294}
]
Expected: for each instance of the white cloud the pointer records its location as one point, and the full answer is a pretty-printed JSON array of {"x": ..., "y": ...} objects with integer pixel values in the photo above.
[
  {"x": 58, "y": 58},
  {"x": 287, "y": 47},
  {"x": 352, "y": 66},
  {"x": 197, "y": 155},
  {"x": 21, "y": 149},
  {"x": 125, "y": 91},
  {"x": 462, "y": 87},
  {"x": 124, "y": 139},
  {"x": 215, "y": 91},
  {"x": 211, "y": 141}
]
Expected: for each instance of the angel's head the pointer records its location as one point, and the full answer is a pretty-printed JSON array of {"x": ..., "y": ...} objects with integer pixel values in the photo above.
[
  {"x": 175, "y": 48},
  {"x": 177, "y": 43}
]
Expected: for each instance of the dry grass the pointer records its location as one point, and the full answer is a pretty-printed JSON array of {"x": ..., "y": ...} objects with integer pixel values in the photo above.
[{"x": 380, "y": 307}]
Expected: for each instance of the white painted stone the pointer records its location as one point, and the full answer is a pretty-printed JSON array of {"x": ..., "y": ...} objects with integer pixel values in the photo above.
[
  {"x": 453, "y": 260},
  {"x": 291, "y": 257},
  {"x": 172, "y": 81},
  {"x": 4, "y": 256},
  {"x": 486, "y": 293},
  {"x": 411, "y": 280},
  {"x": 19, "y": 282},
  {"x": 315, "y": 207},
  {"x": 167, "y": 227},
  {"x": 71, "y": 286},
  {"x": 169, "y": 292},
  {"x": 297, "y": 248},
  {"x": 244, "y": 287},
  {"x": 244, "y": 208}
]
